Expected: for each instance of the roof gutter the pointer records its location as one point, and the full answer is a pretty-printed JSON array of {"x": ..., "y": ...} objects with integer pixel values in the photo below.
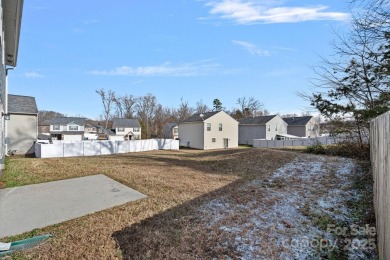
[{"x": 12, "y": 15}]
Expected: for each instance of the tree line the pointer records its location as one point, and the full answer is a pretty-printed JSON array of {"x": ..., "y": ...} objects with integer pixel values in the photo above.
[{"x": 152, "y": 115}]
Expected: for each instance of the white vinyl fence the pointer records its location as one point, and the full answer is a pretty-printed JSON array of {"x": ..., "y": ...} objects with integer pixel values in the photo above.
[
  {"x": 260, "y": 143},
  {"x": 93, "y": 148}
]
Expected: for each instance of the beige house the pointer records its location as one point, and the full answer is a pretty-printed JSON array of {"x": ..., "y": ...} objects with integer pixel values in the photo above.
[
  {"x": 262, "y": 127},
  {"x": 125, "y": 129},
  {"x": 211, "y": 130},
  {"x": 22, "y": 128},
  {"x": 171, "y": 131},
  {"x": 303, "y": 126}
]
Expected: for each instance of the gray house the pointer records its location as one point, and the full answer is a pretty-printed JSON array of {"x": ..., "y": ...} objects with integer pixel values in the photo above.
[
  {"x": 22, "y": 128},
  {"x": 125, "y": 129},
  {"x": 262, "y": 127},
  {"x": 67, "y": 128},
  {"x": 170, "y": 131},
  {"x": 303, "y": 126},
  {"x": 211, "y": 130}
]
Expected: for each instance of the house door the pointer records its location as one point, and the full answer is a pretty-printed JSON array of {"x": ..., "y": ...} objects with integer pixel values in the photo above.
[{"x": 225, "y": 143}]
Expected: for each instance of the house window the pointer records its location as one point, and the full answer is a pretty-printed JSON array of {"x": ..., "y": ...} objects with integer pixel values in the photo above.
[
  {"x": 208, "y": 126},
  {"x": 175, "y": 130},
  {"x": 73, "y": 128},
  {"x": 56, "y": 127},
  {"x": 213, "y": 140},
  {"x": 121, "y": 129},
  {"x": 269, "y": 127},
  {"x": 135, "y": 130},
  {"x": 220, "y": 127},
  {"x": 276, "y": 127}
]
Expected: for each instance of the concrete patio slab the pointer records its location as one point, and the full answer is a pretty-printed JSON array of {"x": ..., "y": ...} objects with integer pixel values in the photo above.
[{"x": 28, "y": 207}]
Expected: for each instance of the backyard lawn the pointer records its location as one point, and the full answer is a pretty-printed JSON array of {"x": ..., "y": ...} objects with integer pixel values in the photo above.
[{"x": 239, "y": 203}]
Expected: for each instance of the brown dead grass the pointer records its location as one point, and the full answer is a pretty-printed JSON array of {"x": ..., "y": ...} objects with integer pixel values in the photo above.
[{"x": 164, "y": 225}]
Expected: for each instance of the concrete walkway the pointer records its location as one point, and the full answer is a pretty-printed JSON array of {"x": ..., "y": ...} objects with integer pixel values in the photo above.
[{"x": 28, "y": 207}]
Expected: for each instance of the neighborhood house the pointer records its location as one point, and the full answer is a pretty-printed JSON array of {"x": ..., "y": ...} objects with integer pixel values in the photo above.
[
  {"x": 125, "y": 129},
  {"x": 211, "y": 130},
  {"x": 67, "y": 128},
  {"x": 304, "y": 126},
  {"x": 171, "y": 131},
  {"x": 262, "y": 127},
  {"x": 22, "y": 128},
  {"x": 10, "y": 22}
]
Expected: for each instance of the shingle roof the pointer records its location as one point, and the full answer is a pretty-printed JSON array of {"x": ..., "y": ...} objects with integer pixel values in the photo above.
[
  {"x": 22, "y": 104},
  {"x": 298, "y": 120},
  {"x": 123, "y": 122},
  {"x": 259, "y": 120},
  {"x": 171, "y": 125},
  {"x": 67, "y": 120},
  {"x": 198, "y": 118}
]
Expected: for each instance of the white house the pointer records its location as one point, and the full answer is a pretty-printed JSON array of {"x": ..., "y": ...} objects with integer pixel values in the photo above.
[
  {"x": 125, "y": 129},
  {"x": 67, "y": 128},
  {"x": 262, "y": 127},
  {"x": 303, "y": 126},
  {"x": 171, "y": 131},
  {"x": 22, "y": 128},
  {"x": 211, "y": 130},
  {"x": 10, "y": 21}
]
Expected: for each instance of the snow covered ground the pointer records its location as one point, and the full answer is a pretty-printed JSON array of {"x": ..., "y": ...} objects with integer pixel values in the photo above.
[{"x": 298, "y": 213}]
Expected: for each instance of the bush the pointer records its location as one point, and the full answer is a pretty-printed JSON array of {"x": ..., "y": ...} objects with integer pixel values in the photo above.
[{"x": 316, "y": 149}]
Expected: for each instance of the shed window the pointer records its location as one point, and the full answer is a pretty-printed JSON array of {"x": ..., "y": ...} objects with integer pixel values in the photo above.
[
  {"x": 56, "y": 127},
  {"x": 73, "y": 128},
  {"x": 213, "y": 140},
  {"x": 208, "y": 126},
  {"x": 220, "y": 127},
  {"x": 269, "y": 127},
  {"x": 121, "y": 129}
]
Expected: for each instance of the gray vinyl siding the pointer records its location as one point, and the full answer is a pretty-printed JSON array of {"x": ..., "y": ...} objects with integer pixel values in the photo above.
[
  {"x": 192, "y": 135},
  {"x": 249, "y": 132},
  {"x": 297, "y": 130},
  {"x": 22, "y": 133}
]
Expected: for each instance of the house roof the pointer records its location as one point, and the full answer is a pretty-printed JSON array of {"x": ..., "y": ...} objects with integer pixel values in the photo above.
[
  {"x": 171, "y": 125},
  {"x": 67, "y": 120},
  {"x": 298, "y": 120},
  {"x": 259, "y": 120},
  {"x": 198, "y": 118},
  {"x": 12, "y": 19},
  {"x": 123, "y": 122},
  {"x": 22, "y": 105}
]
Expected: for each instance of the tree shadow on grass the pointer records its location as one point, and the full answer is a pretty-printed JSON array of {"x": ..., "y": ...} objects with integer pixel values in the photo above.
[{"x": 182, "y": 232}]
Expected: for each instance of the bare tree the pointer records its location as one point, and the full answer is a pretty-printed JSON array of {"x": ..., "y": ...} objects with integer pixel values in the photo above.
[
  {"x": 118, "y": 101},
  {"x": 146, "y": 107},
  {"x": 129, "y": 103},
  {"x": 107, "y": 101},
  {"x": 249, "y": 106},
  {"x": 201, "y": 107},
  {"x": 184, "y": 111}
]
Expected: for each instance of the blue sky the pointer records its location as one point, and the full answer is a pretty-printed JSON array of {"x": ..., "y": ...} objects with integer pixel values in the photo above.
[{"x": 190, "y": 49}]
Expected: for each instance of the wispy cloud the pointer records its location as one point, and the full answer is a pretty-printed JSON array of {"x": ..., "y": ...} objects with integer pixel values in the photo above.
[
  {"x": 252, "y": 48},
  {"x": 165, "y": 69},
  {"x": 32, "y": 74},
  {"x": 249, "y": 12}
]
